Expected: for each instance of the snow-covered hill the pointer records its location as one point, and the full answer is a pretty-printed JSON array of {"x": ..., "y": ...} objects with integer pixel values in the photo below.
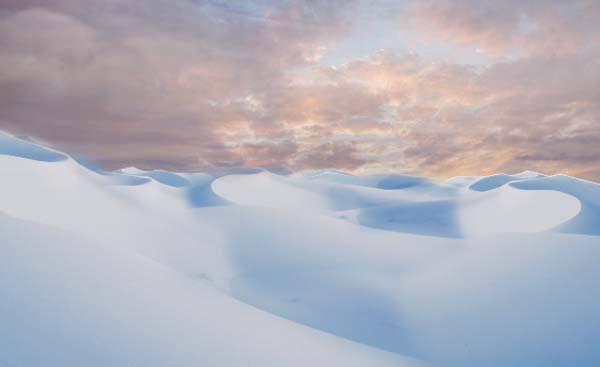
[{"x": 249, "y": 268}]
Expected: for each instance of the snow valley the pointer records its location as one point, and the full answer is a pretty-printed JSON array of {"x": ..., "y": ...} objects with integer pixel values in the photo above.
[{"x": 249, "y": 268}]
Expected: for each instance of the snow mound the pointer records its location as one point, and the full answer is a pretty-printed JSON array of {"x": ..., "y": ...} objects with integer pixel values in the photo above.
[
  {"x": 162, "y": 176},
  {"x": 385, "y": 182},
  {"x": 527, "y": 299},
  {"x": 247, "y": 267},
  {"x": 495, "y": 181},
  {"x": 200, "y": 193},
  {"x": 433, "y": 218},
  {"x": 510, "y": 210},
  {"x": 70, "y": 301},
  {"x": 20, "y": 148},
  {"x": 461, "y": 181},
  {"x": 267, "y": 189},
  {"x": 587, "y": 221}
]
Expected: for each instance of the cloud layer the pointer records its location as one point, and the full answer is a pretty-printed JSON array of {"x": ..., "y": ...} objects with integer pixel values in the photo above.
[{"x": 190, "y": 85}]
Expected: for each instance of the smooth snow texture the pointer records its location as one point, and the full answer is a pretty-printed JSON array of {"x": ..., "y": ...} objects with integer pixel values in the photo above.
[
  {"x": 249, "y": 268},
  {"x": 587, "y": 221},
  {"x": 510, "y": 210},
  {"x": 267, "y": 189},
  {"x": 495, "y": 181},
  {"x": 67, "y": 301},
  {"x": 21, "y": 148}
]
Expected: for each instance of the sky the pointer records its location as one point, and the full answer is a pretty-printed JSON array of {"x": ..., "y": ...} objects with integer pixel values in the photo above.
[{"x": 437, "y": 88}]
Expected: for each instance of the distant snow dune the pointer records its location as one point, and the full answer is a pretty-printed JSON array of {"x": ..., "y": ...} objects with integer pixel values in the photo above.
[{"x": 249, "y": 268}]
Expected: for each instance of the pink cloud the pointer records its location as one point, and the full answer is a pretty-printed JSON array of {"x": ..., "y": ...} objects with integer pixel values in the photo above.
[{"x": 195, "y": 86}]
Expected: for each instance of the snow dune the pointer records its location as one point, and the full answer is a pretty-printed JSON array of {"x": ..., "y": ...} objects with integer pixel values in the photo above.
[
  {"x": 24, "y": 149},
  {"x": 508, "y": 209},
  {"x": 497, "y": 180},
  {"x": 587, "y": 221},
  {"x": 246, "y": 267},
  {"x": 70, "y": 301}
]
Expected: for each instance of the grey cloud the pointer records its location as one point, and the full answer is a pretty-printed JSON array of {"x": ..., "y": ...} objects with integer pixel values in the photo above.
[{"x": 107, "y": 77}]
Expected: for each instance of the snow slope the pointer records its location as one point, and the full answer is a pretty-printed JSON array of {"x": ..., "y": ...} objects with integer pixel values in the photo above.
[{"x": 250, "y": 268}]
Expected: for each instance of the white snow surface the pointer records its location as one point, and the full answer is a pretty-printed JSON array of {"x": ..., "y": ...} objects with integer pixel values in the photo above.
[{"x": 250, "y": 268}]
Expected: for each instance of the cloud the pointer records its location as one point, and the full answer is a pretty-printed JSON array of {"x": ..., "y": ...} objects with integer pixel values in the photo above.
[
  {"x": 342, "y": 155},
  {"x": 535, "y": 26},
  {"x": 102, "y": 74},
  {"x": 191, "y": 85},
  {"x": 446, "y": 119}
]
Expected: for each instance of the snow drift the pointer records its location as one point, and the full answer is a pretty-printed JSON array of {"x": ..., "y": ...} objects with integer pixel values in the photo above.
[{"x": 247, "y": 267}]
